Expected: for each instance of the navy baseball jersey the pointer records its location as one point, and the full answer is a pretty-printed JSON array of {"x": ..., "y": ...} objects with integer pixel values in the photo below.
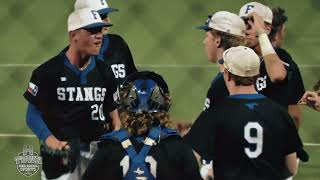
[
  {"x": 217, "y": 91},
  {"x": 73, "y": 103},
  {"x": 169, "y": 159},
  {"x": 116, "y": 54},
  {"x": 285, "y": 93},
  {"x": 295, "y": 87},
  {"x": 247, "y": 136}
]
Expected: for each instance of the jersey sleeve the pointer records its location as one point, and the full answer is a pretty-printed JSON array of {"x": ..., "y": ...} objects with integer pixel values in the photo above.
[
  {"x": 201, "y": 135},
  {"x": 296, "y": 86},
  {"x": 128, "y": 57},
  {"x": 37, "y": 90},
  {"x": 217, "y": 91}
]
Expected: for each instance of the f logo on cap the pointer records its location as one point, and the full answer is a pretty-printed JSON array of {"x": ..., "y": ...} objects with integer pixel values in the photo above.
[
  {"x": 95, "y": 14},
  {"x": 249, "y": 7},
  {"x": 103, "y": 2}
]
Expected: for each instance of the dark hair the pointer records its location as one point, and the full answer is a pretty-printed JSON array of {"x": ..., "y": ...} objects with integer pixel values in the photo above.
[
  {"x": 228, "y": 40},
  {"x": 279, "y": 18},
  {"x": 243, "y": 81}
]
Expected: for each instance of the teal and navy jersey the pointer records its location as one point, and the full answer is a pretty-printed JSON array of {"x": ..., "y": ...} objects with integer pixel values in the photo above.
[
  {"x": 169, "y": 159},
  {"x": 217, "y": 91},
  {"x": 247, "y": 136},
  {"x": 116, "y": 54},
  {"x": 287, "y": 92},
  {"x": 73, "y": 103}
]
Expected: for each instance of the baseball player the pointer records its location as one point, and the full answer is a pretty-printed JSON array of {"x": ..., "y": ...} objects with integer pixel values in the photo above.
[
  {"x": 223, "y": 30},
  {"x": 114, "y": 51},
  {"x": 247, "y": 135},
  {"x": 147, "y": 148},
  {"x": 296, "y": 87},
  {"x": 70, "y": 95},
  {"x": 275, "y": 69}
]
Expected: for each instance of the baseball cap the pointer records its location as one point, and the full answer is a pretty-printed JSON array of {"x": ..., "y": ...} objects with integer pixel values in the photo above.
[
  {"x": 99, "y": 5},
  {"x": 85, "y": 18},
  {"x": 264, "y": 11},
  {"x": 225, "y": 21},
  {"x": 241, "y": 61}
]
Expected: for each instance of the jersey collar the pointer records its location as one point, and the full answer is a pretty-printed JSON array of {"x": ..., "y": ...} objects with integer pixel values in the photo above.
[
  {"x": 247, "y": 96},
  {"x": 82, "y": 74}
]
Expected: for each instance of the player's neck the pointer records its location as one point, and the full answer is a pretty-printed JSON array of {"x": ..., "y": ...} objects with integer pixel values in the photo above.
[
  {"x": 220, "y": 56},
  {"x": 257, "y": 49},
  {"x": 242, "y": 90},
  {"x": 77, "y": 58}
]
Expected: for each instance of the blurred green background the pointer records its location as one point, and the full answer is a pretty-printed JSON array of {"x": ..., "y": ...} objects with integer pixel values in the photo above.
[{"x": 162, "y": 38}]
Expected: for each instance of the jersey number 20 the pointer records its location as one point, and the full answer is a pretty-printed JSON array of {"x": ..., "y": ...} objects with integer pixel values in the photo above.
[
  {"x": 97, "y": 112},
  {"x": 257, "y": 140}
]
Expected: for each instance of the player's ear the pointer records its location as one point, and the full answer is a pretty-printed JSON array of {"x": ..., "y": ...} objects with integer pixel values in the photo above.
[
  {"x": 72, "y": 35},
  {"x": 218, "y": 40},
  {"x": 268, "y": 28}
]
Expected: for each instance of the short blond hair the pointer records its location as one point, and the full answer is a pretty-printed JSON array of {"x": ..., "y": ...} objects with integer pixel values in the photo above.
[{"x": 228, "y": 40}]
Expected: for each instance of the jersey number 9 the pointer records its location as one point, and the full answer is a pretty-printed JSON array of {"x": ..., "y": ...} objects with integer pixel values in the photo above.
[{"x": 256, "y": 140}]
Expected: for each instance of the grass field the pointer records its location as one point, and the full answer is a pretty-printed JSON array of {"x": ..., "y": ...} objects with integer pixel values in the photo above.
[{"x": 162, "y": 38}]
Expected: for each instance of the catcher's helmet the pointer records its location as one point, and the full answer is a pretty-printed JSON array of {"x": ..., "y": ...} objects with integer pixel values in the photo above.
[{"x": 145, "y": 92}]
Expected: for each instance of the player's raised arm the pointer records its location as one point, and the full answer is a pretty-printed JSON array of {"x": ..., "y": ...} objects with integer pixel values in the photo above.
[
  {"x": 259, "y": 23},
  {"x": 274, "y": 65}
]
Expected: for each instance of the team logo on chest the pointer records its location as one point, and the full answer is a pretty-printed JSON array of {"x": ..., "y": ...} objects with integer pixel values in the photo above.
[
  {"x": 261, "y": 83},
  {"x": 81, "y": 93}
]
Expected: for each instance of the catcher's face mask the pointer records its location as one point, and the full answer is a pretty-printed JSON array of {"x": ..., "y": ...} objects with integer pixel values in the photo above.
[
  {"x": 145, "y": 91},
  {"x": 145, "y": 96}
]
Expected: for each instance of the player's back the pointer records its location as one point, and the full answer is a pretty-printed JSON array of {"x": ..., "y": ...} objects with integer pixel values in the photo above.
[
  {"x": 247, "y": 137},
  {"x": 217, "y": 91},
  {"x": 253, "y": 140},
  {"x": 115, "y": 53},
  {"x": 287, "y": 92},
  {"x": 170, "y": 159}
]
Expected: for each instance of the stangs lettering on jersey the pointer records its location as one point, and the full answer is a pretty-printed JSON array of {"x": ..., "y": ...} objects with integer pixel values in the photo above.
[{"x": 81, "y": 93}]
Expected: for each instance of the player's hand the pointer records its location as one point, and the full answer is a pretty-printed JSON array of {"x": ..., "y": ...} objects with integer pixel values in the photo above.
[
  {"x": 256, "y": 22},
  {"x": 311, "y": 99},
  {"x": 206, "y": 172},
  {"x": 55, "y": 144}
]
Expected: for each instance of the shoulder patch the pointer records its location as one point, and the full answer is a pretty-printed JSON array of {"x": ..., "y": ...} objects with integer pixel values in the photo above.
[{"x": 33, "y": 89}]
